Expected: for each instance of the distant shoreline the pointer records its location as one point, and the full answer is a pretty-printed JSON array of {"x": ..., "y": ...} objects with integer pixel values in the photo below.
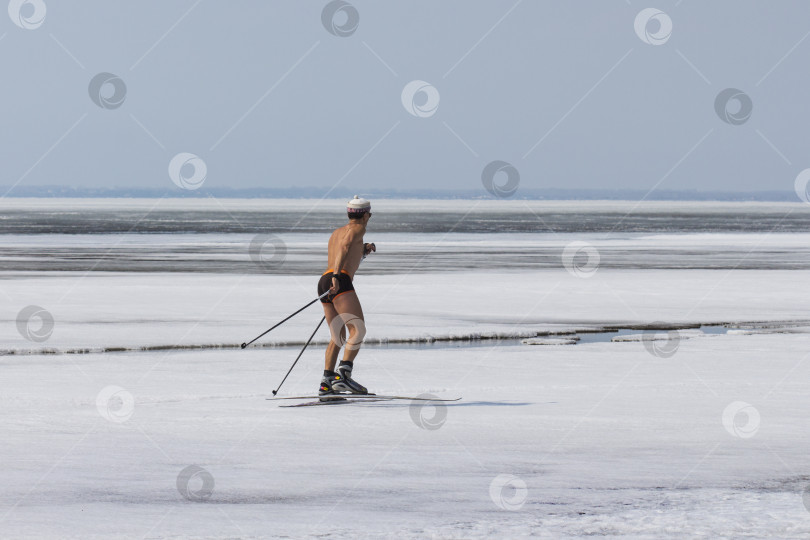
[{"x": 51, "y": 192}]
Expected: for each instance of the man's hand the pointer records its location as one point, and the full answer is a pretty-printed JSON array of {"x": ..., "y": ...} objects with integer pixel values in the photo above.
[
  {"x": 368, "y": 248},
  {"x": 335, "y": 286}
]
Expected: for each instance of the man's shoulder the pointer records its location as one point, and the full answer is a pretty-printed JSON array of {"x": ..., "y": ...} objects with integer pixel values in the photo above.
[
  {"x": 349, "y": 231},
  {"x": 354, "y": 229}
]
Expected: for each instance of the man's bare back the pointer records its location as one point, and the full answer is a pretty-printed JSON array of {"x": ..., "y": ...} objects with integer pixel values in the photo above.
[{"x": 346, "y": 248}]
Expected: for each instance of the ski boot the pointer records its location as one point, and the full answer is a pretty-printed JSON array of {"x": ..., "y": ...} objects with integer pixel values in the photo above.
[
  {"x": 344, "y": 381},
  {"x": 327, "y": 391}
]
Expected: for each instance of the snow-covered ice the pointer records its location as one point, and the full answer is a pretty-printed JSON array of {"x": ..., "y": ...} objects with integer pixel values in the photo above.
[
  {"x": 606, "y": 438},
  {"x": 183, "y": 310}
]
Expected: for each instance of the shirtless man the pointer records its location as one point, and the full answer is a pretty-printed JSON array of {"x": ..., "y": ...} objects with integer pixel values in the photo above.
[{"x": 342, "y": 307}]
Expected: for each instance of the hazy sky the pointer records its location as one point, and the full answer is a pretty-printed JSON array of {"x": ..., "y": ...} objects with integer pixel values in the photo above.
[{"x": 567, "y": 92}]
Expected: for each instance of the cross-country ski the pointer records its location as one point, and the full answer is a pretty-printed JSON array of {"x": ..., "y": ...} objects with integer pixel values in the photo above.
[
  {"x": 337, "y": 401},
  {"x": 366, "y": 396}
]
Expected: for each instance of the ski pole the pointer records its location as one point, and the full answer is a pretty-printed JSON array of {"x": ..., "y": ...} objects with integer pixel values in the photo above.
[
  {"x": 299, "y": 355},
  {"x": 285, "y": 320}
]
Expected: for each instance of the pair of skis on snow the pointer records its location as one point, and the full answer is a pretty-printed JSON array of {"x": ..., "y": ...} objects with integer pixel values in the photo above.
[{"x": 343, "y": 399}]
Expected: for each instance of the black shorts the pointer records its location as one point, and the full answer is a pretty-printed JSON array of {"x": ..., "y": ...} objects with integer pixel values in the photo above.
[{"x": 325, "y": 283}]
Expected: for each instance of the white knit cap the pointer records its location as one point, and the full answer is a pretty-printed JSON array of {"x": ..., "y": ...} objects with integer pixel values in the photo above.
[{"x": 358, "y": 205}]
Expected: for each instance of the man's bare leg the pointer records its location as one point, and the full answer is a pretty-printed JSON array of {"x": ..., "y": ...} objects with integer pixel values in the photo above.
[
  {"x": 348, "y": 305},
  {"x": 333, "y": 348}
]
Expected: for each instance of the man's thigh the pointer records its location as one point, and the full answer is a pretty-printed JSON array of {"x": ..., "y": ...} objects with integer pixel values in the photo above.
[
  {"x": 349, "y": 304},
  {"x": 329, "y": 312}
]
